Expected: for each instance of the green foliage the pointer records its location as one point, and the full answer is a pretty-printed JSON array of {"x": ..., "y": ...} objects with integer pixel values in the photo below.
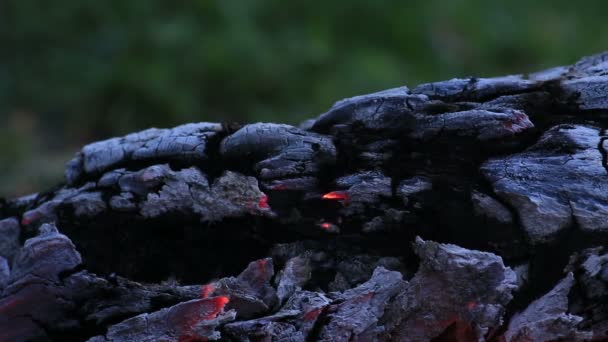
[{"x": 80, "y": 70}]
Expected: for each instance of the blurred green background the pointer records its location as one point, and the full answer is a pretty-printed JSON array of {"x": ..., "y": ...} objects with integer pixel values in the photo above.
[{"x": 75, "y": 71}]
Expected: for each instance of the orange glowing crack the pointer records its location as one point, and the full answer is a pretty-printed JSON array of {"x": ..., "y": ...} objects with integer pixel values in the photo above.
[
  {"x": 336, "y": 196},
  {"x": 205, "y": 310},
  {"x": 219, "y": 303}
]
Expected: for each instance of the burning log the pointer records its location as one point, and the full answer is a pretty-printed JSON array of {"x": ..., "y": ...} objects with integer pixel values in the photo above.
[{"x": 465, "y": 210}]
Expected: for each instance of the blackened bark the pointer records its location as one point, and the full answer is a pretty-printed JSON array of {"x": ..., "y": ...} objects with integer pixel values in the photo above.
[{"x": 466, "y": 209}]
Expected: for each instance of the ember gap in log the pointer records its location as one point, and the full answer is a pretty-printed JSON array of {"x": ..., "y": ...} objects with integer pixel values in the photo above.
[{"x": 464, "y": 210}]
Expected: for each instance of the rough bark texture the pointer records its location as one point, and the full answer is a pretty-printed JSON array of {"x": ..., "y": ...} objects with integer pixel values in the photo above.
[{"x": 465, "y": 210}]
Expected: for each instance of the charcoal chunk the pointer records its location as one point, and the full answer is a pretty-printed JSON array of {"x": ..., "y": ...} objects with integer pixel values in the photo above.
[
  {"x": 453, "y": 285},
  {"x": 279, "y": 151},
  {"x": 193, "y": 320},
  {"x": 589, "y": 93},
  {"x": 45, "y": 256},
  {"x": 182, "y": 143},
  {"x": 356, "y": 313},
  {"x": 251, "y": 292},
  {"x": 558, "y": 181},
  {"x": 296, "y": 273},
  {"x": 591, "y": 295},
  {"x": 475, "y": 89},
  {"x": 547, "y": 318}
]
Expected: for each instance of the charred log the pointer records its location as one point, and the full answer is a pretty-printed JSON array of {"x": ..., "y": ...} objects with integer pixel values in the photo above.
[{"x": 468, "y": 209}]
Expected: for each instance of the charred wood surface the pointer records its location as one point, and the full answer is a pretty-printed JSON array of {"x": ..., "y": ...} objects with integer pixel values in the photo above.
[{"x": 465, "y": 210}]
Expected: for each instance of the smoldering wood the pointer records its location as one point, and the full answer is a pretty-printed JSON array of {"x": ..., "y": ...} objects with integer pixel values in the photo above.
[{"x": 467, "y": 209}]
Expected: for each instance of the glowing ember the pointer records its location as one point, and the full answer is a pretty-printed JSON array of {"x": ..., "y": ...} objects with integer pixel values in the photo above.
[
  {"x": 218, "y": 304},
  {"x": 329, "y": 227},
  {"x": 313, "y": 314},
  {"x": 207, "y": 290},
  {"x": 263, "y": 203},
  {"x": 29, "y": 217},
  {"x": 197, "y": 312},
  {"x": 336, "y": 196}
]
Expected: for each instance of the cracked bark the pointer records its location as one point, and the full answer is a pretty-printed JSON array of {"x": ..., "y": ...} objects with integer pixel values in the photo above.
[{"x": 446, "y": 212}]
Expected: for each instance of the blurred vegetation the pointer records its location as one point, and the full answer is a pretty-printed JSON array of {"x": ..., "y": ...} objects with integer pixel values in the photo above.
[{"x": 74, "y": 71}]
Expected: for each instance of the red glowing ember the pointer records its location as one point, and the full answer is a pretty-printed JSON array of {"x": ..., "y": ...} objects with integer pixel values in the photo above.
[
  {"x": 263, "y": 203},
  {"x": 313, "y": 314},
  {"x": 336, "y": 196},
  {"x": 207, "y": 290},
  {"x": 192, "y": 314},
  {"x": 29, "y": 217},
  {"x": 219, "y": 304},
  {"x": 326, "y": 225},
  {"x": 329, "y": 227},
  {"x": 213, "y": 307}
]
